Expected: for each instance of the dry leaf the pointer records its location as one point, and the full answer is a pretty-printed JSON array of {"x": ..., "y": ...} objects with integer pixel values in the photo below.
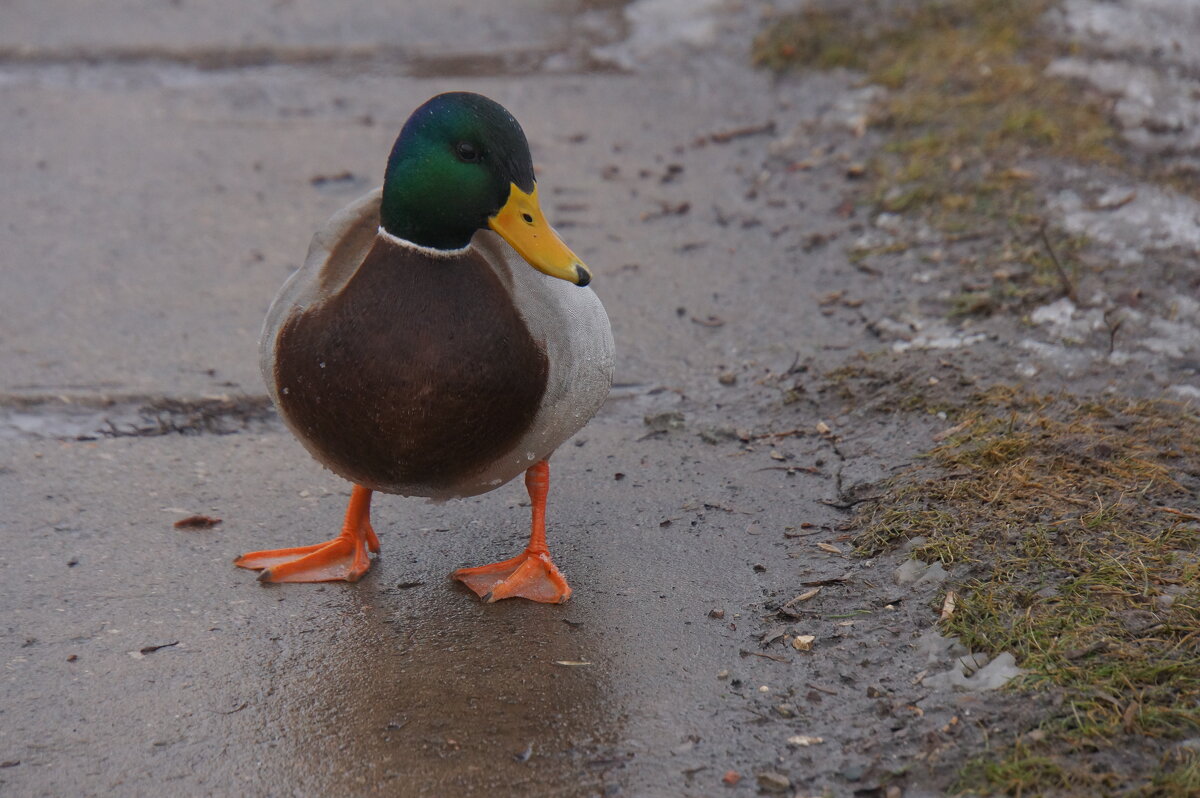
[
  {"x": 1129, "y": 716},
  {"x": 805, "y": 596},
  {"x": 829, "y": 547},
  {"x": 948, "y": 605},
  {"x": 197, "y": 522},
  {"x": 804, "y": 739},
  {"x": 1107, "y": 203},
  {"x": 803, "y": 642}
]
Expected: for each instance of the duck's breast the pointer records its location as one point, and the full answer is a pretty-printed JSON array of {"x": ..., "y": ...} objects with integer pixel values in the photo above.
[
  {"x": 417, "y": 374},
  {"x": 569, "y": 323}
]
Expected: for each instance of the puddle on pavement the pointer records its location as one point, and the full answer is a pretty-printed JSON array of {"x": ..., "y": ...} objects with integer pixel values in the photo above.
[{"x": 429, "y": 692}]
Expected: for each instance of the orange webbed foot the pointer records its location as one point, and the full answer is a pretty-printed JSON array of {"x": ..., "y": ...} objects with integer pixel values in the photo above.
[
  {"x": 343, "y": 558},
  {"x": 340, "y": 559},
  {"x": 531, "y": 575}
]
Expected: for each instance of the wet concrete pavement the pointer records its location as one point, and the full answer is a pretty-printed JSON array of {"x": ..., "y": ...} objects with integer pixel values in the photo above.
[
  {"x": 164, "y": 189},
  {"x": 165, "y": 168},
  {"x": 403, "y": 683}
]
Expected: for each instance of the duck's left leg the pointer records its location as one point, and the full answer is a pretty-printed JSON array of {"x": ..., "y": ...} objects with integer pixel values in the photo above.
[
  {"x": 342, "y": 559},
  {"x": 532, "y": 573}
]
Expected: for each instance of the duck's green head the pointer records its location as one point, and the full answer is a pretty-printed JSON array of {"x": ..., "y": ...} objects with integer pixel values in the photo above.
[{"x": 462, "y": 164}]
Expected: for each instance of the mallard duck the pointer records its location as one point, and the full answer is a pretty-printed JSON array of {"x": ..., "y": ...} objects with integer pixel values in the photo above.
[{"x": 417, "y": 352}]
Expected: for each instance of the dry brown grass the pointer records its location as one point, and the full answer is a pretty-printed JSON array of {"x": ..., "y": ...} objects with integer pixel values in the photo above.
[{"x": 1079, "y": 521}]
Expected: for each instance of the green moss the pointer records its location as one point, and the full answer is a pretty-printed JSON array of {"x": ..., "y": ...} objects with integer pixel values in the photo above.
[
  {"x": 817, "y": 38},
  {"x": 1021, "y": 773}
]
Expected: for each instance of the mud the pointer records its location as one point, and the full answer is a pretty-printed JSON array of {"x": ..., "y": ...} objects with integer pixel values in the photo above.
[{"x": 157, "y": 201}]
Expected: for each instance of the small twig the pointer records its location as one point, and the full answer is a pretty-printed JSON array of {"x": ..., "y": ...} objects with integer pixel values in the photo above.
[
  {"x": 726, "y": 136},
  {"x": 805, "y": 596},
  {"x": 1112, "y": 326},
  {"x": 957, "y": 428},
  {"x": 785, "y": 434},
  {"x": 833, "y": 580},
  {"x": 846, "y": 504},
  {"x": 772, "y": 657},
  {"x": 1181, "y": 513},
  {"x": 1080, "y": 653},
  {"x": 1068, "y": 287}
]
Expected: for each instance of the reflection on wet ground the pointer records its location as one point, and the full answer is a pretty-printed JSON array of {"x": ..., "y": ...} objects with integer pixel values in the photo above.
[{"x": 448, "y": 696}]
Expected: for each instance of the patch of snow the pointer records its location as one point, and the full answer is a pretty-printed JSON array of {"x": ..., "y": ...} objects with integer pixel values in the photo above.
[
  {"x": 1058, "y": 314},
  {"x": 935, "y": 648},
  {"x": 968, "y": 676},
  {"x": 847, "y": 110},
  {"x": 1174, "y": 339},
  {"x": 1069, "y": 361},
  {"x": 1153, "y": 219},
  {"x": 1119, "y": 357},
  {"x": 1169, "y": 29},
  {"x": 657, "y": 25},
  {"x": 1066, "y": 322},
  {"x": 940, "y": 336},
  {"x": 909, "y": 572},
  {"x": 1186, "y": 391}
]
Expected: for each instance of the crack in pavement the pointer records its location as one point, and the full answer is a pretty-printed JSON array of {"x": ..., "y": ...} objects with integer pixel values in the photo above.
[{"x": 90, "y": 418}]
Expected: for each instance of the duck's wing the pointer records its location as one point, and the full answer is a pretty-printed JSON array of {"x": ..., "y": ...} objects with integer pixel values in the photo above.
[{"x": 337, "y": 250}]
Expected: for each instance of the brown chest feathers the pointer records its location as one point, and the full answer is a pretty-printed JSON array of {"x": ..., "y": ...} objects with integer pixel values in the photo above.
[{"x": 418, "y": 372}]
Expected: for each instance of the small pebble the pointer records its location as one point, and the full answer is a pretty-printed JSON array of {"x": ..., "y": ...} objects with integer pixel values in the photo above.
[{"x": 773, "y": 782}]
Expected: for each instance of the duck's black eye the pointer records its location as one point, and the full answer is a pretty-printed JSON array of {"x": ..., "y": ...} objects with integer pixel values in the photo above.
[{"x": 466, "y": 152}]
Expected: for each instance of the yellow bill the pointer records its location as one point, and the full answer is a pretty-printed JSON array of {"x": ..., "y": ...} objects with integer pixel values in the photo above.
[{"x": 521, "y": 223}]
